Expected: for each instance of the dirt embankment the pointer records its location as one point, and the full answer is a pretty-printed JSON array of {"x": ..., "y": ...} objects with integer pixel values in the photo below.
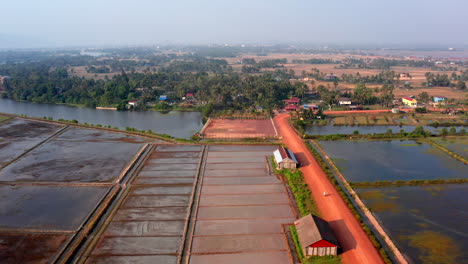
[{"x": 357, "y": 248}]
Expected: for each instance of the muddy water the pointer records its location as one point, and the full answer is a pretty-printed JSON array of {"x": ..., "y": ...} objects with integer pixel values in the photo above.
[
  {"x": 70, "y": 161},
  {"x": 30, "y": 248},
  {"x": 61, "y": 208},
  {"x": 176, "y": 124},
  {"x": 392, "y": 160},
  {"x": 428, "y": 223},
  {"x": 17, "y": 136}
]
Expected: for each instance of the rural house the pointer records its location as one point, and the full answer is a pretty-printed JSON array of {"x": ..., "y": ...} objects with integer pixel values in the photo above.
[
  {"x": 331, "y": 77},
  {"x": 409, "y": 101},
  {"x": 316, "y": 236},
  {"x": 438, "y": 99},
  {"x": 344, "y": 101},
  {"x": 133, "y": 103},
  {"x": 291, "y": 107},
  {"x": 285, "y": 159},
  {"x": 293, "y": 101}
]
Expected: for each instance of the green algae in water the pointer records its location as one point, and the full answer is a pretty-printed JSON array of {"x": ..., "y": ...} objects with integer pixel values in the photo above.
[
  {"x": 374, "y": 194},
  {"x": 435, "y": 247},
  {"x": 378, "y": 203},
  {"x": 410, "y": 145}
]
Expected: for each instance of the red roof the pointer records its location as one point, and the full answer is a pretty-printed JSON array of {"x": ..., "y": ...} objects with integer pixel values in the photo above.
[
  {"x": 408, "y": 98},
  {"x": 291, "y": 107},
  {"x": 292, "y": 100},
  {"x": 189, "y": 95}
]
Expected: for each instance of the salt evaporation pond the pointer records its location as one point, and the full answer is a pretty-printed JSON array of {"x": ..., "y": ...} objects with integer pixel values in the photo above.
[
  {"x": 392, "y": 160},
  {"x": 429, "y": 224}
]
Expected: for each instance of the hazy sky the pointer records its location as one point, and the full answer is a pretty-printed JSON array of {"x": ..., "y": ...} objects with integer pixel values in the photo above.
[{"x": 118, "y": 22}]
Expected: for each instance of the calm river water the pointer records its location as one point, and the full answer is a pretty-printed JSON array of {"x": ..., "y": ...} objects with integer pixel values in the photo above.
[{"x": 176, "y": 124}]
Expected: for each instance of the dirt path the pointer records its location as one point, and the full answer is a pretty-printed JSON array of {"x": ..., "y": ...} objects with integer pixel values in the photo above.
[{"x": 356, "y": 245}]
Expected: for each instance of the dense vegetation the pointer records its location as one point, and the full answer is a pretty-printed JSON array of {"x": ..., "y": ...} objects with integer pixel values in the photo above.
[{"x": 210, "y": 80}]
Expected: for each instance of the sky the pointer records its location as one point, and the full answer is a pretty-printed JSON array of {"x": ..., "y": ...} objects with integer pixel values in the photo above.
[{"x": 36, "y": 23}]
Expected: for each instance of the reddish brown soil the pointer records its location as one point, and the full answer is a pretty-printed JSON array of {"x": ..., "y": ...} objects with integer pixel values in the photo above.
[
  {"x": 240, "y": 128},
  {"x": 357, "y": 248}
]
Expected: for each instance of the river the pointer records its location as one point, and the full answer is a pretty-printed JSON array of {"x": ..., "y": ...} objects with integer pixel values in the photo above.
[{"x": 175, "y": 123}]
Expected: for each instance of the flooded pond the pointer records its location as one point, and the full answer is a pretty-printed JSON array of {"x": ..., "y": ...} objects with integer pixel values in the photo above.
[
  {"x": 329, "y": 129},
  {"x": 174, "y": 123},
  {"x": 428, "y": 223},
  {"x": 392, "y": 160}
]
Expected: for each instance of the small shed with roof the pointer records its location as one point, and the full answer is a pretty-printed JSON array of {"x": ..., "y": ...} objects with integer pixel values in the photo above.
[
  {"x": 285, "y": 158},
  {"x": 316, "y": 236}
]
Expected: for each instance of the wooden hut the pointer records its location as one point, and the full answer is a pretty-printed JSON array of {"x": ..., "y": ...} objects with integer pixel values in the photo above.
[
  {"x": 316, "y": 236},
  {"x": 285, "y": 158}
]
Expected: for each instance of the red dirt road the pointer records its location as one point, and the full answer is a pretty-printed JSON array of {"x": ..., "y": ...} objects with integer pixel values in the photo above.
[{"x": 356, "y": 246}]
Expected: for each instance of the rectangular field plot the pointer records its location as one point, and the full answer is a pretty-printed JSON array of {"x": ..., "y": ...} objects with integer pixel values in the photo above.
[
  {"x": 244, "y": 243},
  {"x": 55, "y": 208},
  {"x": 239, "y": 180},
  {"x": 151, "y": 259},
  {"x": 418, "y": 218},
  {"x": 91, "y": 135},
  {"x": 171, "y": 180},
  {"x": 243, "y": 189},
  {"x": 173, "y": 160},
  {"x": 137, "y": 246},
  {"x": 163, "y": 190},
  {"x": 171, "y": 167},
  {"x": 67, "y": 161},
  {"x": 30, "y": 248},
  {"x": 240, "y": 154},
  {"x": 236, "y": 166},
  {"x": 171, "y": 155},
  {"x": 156, "y": 201},
  {"x": 167, "y": 174},
  {"x": 392, "y": 160},
  {"x": 243, "y": 160},
  {"x": 238, "y": 173},
  {"x": 244, "y": 199},
  {"x": 239, "y": 128},
  {"x": 241, "y": 227},
  {"x": 145, "y": 228},
  {"x": 240, "y": 212},
  {"x": 250, "y": 149},
  {"x": 274, "y": 257},
  {"x": 19, "y": 135},
  {"x": 181, "y": 148}
]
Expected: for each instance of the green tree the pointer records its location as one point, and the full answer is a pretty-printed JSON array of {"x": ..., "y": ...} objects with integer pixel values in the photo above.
[
  {"x": 363, "y": 94},
  {"x": 461, "y": 85},
  {"x": 386, "y": 95},
  {"x": 424, "y": 97}
]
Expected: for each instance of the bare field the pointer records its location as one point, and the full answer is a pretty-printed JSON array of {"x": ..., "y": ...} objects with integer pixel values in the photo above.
[{"x": 240, "y": 128}]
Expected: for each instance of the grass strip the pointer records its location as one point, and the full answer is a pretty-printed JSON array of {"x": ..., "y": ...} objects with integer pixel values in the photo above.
[
  {"x": 406, "y": 183},
  {"x": 299, "y": 188}
]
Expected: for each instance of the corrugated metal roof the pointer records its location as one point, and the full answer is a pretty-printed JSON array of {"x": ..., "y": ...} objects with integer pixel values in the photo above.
[
  {"x": 281, "y": 154},
  {"x": 312, "y": 229}
]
